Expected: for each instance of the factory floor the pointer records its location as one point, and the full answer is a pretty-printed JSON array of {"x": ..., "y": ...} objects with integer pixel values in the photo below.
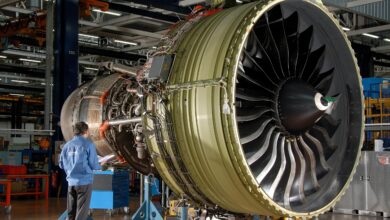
[{"x": 51, "y": 209}]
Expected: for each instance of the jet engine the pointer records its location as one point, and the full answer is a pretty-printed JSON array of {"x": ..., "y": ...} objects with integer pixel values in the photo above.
[{"x": 253, "y": 109}]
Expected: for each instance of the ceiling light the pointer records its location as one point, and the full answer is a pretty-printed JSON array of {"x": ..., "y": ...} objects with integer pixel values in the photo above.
[
  {"x": 87, "y": 35},
  {"x": 90, "y": 68},
  {"x": 19, "y": 81},
  {"x": 107, "y": 12},
  {"x": 387, "y": 39},
  {"x": 3, "y": 57},
  {"x": 15, "y": 94},
  {"x": 29, "y": 60},
  {"x": 371, "y": 35},
  {"x": 345, "y": 29},
  {"x": 125, "y": 42},
  {"x": 43, "y": 84}
]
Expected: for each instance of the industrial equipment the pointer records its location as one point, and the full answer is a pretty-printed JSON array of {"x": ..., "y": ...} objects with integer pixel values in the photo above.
[
  {"x": 110, "y": 190},
  {"x": 368, "y": 193},
  {"x": 148, "y": 209},
  {"x": 253, "y": 109}
]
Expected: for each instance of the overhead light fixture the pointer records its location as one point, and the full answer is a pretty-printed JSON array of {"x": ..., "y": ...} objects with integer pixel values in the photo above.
[
  {"x": 387, "y": 39},
  {"x": 43, "y": 84},
  {"x": 107, "y": 12},
  {"x": 16, "y": 94},
  {"x": 345, "y": 29},
  {"x": 29, "y": 60},
  {"x": 154, "y": 47},
  {"x": 90, "y": 36},
  {"x": 3, "y": 57},
  {"x": 19, "y": 81},
  {"x": 90, "y": 68},
  {"x": 125, "y": 42},
  {"x": 371, "y": 35}
]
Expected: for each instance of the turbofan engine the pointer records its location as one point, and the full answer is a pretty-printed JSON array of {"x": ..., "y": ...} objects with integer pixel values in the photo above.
[{"x": 253, "y": 109}]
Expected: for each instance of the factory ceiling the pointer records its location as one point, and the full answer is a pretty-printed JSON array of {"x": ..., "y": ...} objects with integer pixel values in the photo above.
[{"x": 128, "y": 29}]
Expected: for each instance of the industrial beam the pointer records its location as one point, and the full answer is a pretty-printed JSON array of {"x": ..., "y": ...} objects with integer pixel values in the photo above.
[
  {"x": 11, "y": 88},
  {"x": 89, "y": 63},
  {"x": 17, "y": 9},
  {"x": 190, "y": 2},
  {"x": 2, "y": 75},
  {"x": 384, "y": 64},
  {"x": 142, "y": 46},
  {"x": 92, "y": 26},
  {"x": 66, "y": 54},
  {"x": 381, "y": 48},
  {"x": 49, "y": 63},
  {"x": 381, "y": 56},
  {"x": 369, "y": 30},
  {"x": 22, "y": 70},
  {"x": 144, "y": 13},
  {"x": 7, "y": 2},
  {"x": 111, "y": 53},
  {"x": 119, "y": 29},
  {"x": 114, "y": 36},
  {"x": 25, "y": 53},
  {"x": 361, "y": 2},
  {"x": 168, "y": 5},
  {"x": 133, "y": 31}
]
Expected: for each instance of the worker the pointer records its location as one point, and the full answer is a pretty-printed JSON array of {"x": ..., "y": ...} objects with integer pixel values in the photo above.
[{"x": 78, "y": 158}]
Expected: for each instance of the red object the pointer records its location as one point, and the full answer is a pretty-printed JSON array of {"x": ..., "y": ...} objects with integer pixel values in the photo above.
[
  {"x": 211, "y": 12},
  {"x": 86, "y": 6},
  {"x": 7, "y": 184},
  {"x": 103, "y": 128},
  {"x": 103, "y": 97},
  {"x": 45, "y": 190},
  {"x": 54, "y": 179},
  {"x": 13, "y": 170}
]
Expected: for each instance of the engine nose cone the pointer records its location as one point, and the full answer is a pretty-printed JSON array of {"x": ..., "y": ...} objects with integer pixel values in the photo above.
[{"x": 300, "y": 106}]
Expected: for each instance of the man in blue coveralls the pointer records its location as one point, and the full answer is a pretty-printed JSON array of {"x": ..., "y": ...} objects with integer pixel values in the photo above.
[{"x": 78, "y": 158}]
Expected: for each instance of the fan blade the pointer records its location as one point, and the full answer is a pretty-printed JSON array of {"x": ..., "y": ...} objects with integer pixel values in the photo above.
[
  {"x": 279, "y": 35},
  {"x": 291, "y": 176},
  {"x": 292, "y": 26},
  {"x": 298, "y": 186},
  {"x": 314, "y": 63},
  {"x": 263, "y": 148},
  {"x": 304, "y": 42},
  {"x": 249, "y": 95},
  {"x": 331, "y": 125},
  {"x": 324, "y": 81},
  {"x": 309, "y": 155},
  {"x": 282, "y": 168},
  {"x": 257, "y": 67},
  {"x": 320, "y": 151},
  {"x": 251, "y": 114},
  {"x": 325, "y": 135},
  {"x": 271, "y": 162},
  {"x": 248, "y": 136},
  {"x": 253, "y": 81}
]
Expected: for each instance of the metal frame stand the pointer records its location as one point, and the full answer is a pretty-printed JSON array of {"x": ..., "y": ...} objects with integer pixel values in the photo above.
[
  {"x": 147, "y": 210},
  {"x": 184, "y": 213}
]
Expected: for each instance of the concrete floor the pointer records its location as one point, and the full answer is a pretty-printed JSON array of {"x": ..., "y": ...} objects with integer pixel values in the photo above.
[{"x": 51, "y": 209}]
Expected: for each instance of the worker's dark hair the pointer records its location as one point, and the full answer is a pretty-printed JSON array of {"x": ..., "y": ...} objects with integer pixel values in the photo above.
[{"x": 80, "y": 128}]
